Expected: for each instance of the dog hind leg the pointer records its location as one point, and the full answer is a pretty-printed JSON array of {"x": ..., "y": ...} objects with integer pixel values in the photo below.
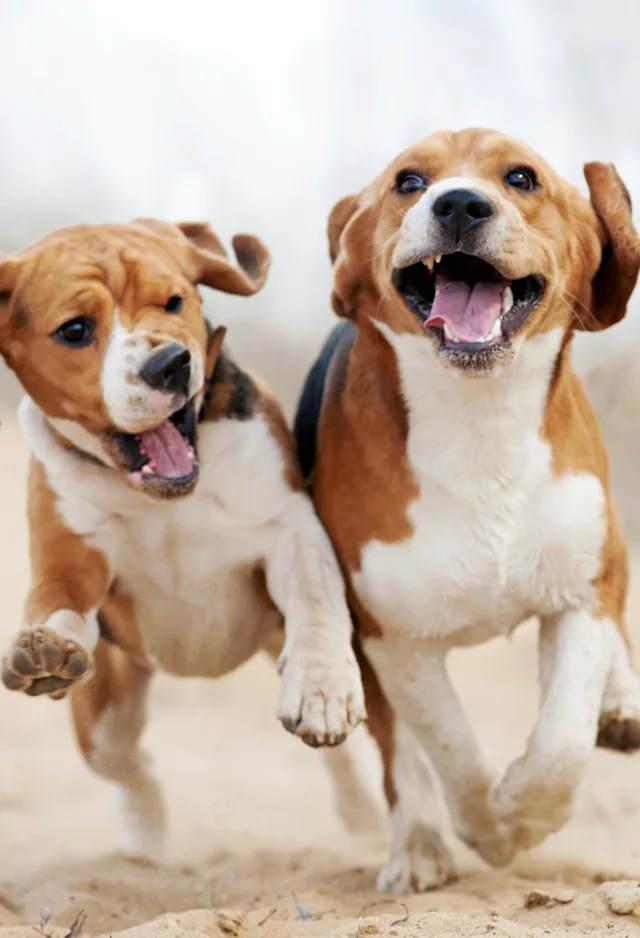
[{"x": 109, "y": 713}]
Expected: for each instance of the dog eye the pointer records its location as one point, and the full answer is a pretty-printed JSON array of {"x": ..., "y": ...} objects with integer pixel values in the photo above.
[
  {"x": 76, "y": 333},
  {"x": 521, "y": 178},
  {"x": 407, "y": 183},
  {"x": 174, "y": 304}
]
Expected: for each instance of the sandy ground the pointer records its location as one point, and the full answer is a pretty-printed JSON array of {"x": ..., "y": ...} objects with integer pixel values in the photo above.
[{"x": 255, "y": 846}]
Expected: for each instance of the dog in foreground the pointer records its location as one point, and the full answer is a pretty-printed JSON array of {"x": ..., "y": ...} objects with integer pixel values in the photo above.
[
  {"x": 477, "y": 492},
  {"x": 133, "y": 403}
]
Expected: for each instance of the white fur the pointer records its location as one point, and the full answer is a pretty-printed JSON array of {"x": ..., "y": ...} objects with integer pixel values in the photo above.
[
  {"x": 82, "y": 630},
  {"x": 420, "y": 233},
  {"x": 622, "y": 693},
  {"x": 497, "y": 537},
  {"x": 132, "y": 405},
  {"x": 118, "y": 757},
  {"x": 192, "y": 567},
  {"x": 536, "y": 795},
  {"x": 81, "y": 438},
  {"x": 419, "y": 858}
]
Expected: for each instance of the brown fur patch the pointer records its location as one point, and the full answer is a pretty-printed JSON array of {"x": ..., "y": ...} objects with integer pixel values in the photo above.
[
  {"x": 380, "y": 723},
  {"x": 570, "y": 427},
  {"x": 119, "y": 615},
  {"x": 363, "y": 426},
  {"x": 20, "y": 316},
  {"x": 231, "y": 393},
  {"x": 269, "y": 407},
  {"x": 115, "y": 677},
  {"x": 66, "y": 572}
]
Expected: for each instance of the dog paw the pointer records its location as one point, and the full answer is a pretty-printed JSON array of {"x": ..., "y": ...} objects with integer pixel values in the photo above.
[
  {"x": 41, "y": 661},
  {"x": 480, "y": 828},
  {"x": 619, "y": 725},
  {"x": 619, "y": 732},
  {"x": 322, "y": 698},
  {"x": 495, "y": 847},
  {"x": 423, "y": 863},
  {"x": 530, "y": 803}
]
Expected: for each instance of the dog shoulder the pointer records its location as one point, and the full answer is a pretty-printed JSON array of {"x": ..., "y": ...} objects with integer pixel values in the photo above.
[
  {"x": 571, "y": 428},
  {"x": 243, "y": 409},
  {"x": 578, "y": 450}
]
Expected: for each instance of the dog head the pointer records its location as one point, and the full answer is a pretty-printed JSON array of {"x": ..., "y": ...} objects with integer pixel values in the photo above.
[
  {"x": 103, "y": 326},
  {"x": 473, "y": 240}
]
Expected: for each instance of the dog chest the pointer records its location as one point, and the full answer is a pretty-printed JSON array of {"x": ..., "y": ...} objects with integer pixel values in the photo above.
[
  {"x": 199, "y": 602},
  {"x": 496, "y": 536},
  {"x": 473, "y": 568}
]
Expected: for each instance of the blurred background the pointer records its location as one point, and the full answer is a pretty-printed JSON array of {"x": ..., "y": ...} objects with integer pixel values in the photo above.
[{"x": 258, "y": 116}]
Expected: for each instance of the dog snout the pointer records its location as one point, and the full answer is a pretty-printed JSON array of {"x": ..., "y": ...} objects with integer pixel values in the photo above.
[
  {"x": 460, "y": 210},
  {"x": 168, "y": 370}
]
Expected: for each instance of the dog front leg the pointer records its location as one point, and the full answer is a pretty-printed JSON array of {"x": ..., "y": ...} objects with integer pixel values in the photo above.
[
  {"x": 70, "y": 579},
  {"x": 418, "y": 688},
  {"x": 537, "y": 794},
  {"x": 322, "y": 698}
]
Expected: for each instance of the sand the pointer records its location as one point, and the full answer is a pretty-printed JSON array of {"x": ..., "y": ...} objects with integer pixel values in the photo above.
[{"x": 256, "y": 848}]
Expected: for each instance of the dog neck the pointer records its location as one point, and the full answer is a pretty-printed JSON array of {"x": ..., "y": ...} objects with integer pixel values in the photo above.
[{"x": 487, "y": 428}]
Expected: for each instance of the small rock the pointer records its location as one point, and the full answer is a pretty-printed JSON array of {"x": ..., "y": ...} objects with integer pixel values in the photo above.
[
  {"x": 369, "y": 928},
  {"x": 538, "y": 897},
  {"x": 565, "y": 896},
  {"x": 230, "y": 923},
  {"x": 622, "y": 896}
]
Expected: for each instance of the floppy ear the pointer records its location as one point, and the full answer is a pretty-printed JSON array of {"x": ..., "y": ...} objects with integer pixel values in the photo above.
[
  {"x": 349, "y": 233},
  {"x": 214, "y": 269},
  {"x": 215, "y": 338},
  {"x": 10, "y": 267},
  {"x": 338, "y": 218},
  {"x": 9, "y": 272},
  {"x": 616, "y": 277}
]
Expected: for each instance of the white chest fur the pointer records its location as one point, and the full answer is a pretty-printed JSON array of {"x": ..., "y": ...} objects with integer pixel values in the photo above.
[
  {"x": 497, "y": 537},
  {"x": 191, "y": 565}
]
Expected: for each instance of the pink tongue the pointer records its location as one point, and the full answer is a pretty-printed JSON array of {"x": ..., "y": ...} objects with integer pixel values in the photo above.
[
  {"x": 469, "y": 312},
  {"x": 170, "y": 455}
]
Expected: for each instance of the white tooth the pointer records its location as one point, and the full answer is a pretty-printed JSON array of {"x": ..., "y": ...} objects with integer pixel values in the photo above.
[
  {"x": 496, "y": 332},
  {"x": 146, "y": 470},
  {"x": 507, "y": 300},
  {"x": 428, "y": 263},
  {"x": 437, "y": 289},
  {"x": 438, "y": 258}
]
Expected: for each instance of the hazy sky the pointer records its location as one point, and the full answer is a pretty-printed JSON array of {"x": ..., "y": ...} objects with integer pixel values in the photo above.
[{"x": 259, "y": 115}]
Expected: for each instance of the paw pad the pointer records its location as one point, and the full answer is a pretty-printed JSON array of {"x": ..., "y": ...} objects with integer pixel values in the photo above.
[{"x": 42, "y": 662}]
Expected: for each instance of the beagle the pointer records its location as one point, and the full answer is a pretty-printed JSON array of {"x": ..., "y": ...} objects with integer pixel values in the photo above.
[
  {"x": 458, "y": 469},
  {"x": 169, "y": 526}
]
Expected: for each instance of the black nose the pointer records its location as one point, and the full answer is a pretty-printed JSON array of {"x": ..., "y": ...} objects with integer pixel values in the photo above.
[
  {"x": 168, "y": 370},
  {"x": 460, "y": 210}
]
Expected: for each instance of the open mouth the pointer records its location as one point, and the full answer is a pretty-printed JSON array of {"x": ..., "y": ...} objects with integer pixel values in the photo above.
[
  {"x": 467, "y": 303},
  {"x": 162, "y": 461}
]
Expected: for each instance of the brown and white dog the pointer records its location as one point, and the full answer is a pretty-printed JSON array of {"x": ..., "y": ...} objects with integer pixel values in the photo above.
[
  {"x": 133, "y": 404},
  {"x": 458, "y": 468}
]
